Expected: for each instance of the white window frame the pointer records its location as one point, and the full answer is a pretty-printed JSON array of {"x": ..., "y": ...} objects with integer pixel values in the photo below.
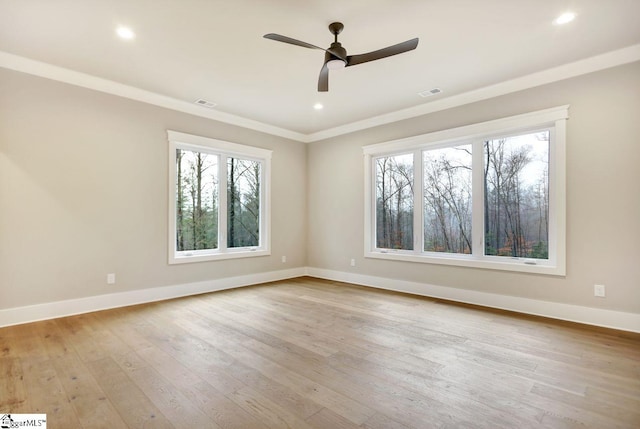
[
  {"x": 553, "y": 119},
  {"x": 223, "y": 150}
]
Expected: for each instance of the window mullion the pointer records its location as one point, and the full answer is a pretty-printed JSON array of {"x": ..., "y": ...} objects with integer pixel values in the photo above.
[
  {"x": 222, "y": 206},
  {"x": 264, "y": 190},
  {"x": 477, "y": 190},
  {"x": 418, "y": 201}
]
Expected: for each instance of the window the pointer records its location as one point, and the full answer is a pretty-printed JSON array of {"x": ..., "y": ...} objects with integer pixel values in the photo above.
[
  {"x": 394, "y": 202},
  {"x": 489, "y": 195},
  {"x": 219, "y": 199},
  {"x": 446, "y": 175},
  {"x": 516, "y": 195}
]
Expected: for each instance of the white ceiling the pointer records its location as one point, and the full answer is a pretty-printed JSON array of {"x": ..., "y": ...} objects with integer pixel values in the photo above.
[{"x": 214, "y": 49}]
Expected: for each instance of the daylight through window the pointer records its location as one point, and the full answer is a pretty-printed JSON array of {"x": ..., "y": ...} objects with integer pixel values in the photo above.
[
  {"x": 219, "y": 199},
  {"x": 488, "y": 195}
]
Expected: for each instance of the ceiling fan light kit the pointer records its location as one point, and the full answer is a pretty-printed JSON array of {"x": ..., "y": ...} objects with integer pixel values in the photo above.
[
  {"x": 336, "y": 57},
  {"x": 336, "y": 64}
]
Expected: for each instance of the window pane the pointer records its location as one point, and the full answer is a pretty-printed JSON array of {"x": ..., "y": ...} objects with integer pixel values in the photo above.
[
  {"x": 516, "y": 201},
  {"x": 447, "y": 199},
  {"x": 243, "y": 203},
  {"x": 394, "y": 202},
  {"x": 196, "y": 200}
]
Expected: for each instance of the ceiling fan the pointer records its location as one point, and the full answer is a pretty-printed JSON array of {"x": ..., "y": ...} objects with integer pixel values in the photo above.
[{"x": 336, "y": 57}]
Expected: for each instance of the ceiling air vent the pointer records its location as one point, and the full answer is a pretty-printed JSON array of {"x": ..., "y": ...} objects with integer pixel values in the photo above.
[
  {"x": 206, "y": 103},
  {"x": 430, "y": 92}
]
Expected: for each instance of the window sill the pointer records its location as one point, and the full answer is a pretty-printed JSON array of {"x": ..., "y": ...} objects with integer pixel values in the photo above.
[
  {"x": 218, "y": 256},
  {"x": 522, "y": 265}
]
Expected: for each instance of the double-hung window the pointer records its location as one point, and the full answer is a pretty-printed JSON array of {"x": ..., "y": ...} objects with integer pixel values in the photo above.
[
  {"x": 219, "y": 199},
  {"x": 488, "y": 195}
]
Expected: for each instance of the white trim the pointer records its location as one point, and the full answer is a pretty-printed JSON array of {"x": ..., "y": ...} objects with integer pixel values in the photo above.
[
  {"x": 589, "y": 65},
  {"x": 501, "y": 263},
  {"x": 61, "y": 74},
  {"x": 502, "y": 125},
  {"x": 222, "y": 149},
  {"x": 553, "y": 118},
  {"x": 219, "y": 145},
  {"x": 573, "y": 313},
  {"x": 52, "y": 310}
]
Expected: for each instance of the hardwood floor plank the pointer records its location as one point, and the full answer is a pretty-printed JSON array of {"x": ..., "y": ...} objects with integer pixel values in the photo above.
[
  {"x": 250, "y": 377},
  {"x": 224, "y": 412},
  {"x": 381, "y": 421},
  {"x": 198, "y": 361},
  {"x": 206, "y": 397},
  {"x": 433, "y": 387},
  {"x": 316, "y": 389},
  {"x": 177, "y": 408},
  {"x": 588, "y": 405},
  {"x": 133, "y": 405},
  {"x": 327, "y": 419},
  {"x": 309, "y": 353},
  {"x": 266, "y": 411},
  {"x": 558, "y": 414},
  {"x": 612, "y": 398},
  {"x": 91, "y": 404},
  {"x": 47, "y": 396},
  {"x": 21, "y": 342},
  {"x": 14, "y": 397},
  {"x": 56, "y": 345},
  {"x": 405, "y": 405}
]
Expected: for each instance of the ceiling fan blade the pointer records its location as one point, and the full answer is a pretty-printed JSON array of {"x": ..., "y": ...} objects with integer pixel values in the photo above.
[
  {"x": 285, "y": 39},
  {"x": 323, "y": 80},
  {"x": 289, "y": 40},
  {"x": 400, "y": 48}
]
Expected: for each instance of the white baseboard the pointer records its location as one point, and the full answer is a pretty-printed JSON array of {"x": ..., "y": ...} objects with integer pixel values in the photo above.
[
  {"x": 573, "y": 313},
  {"x": 51, "y": 310}
]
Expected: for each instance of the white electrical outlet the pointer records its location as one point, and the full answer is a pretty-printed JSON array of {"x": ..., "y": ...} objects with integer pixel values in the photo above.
[
  {"x": 284, "y": 259},
  {"x": 111, "y": 279},
  {"x": 598, "y": 290},
  {"x": 353, "y": 262}
]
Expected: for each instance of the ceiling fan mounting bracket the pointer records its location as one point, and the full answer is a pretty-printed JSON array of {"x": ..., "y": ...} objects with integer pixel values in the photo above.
[{"x": 336, "y": 28}]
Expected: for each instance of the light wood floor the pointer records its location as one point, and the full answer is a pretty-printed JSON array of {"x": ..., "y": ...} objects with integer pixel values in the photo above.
[{"x": 307, "y": 353}]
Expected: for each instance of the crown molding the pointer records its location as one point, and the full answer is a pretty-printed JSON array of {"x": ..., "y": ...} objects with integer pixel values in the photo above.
[
  {"x": 61, "y": 74},
  {"x": 589, "y": 65}
]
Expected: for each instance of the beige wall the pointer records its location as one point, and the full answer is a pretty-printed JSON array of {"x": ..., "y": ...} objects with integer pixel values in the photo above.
[
  {"x": 83, "y": 193},
  {"x": 603, "y": 194}
]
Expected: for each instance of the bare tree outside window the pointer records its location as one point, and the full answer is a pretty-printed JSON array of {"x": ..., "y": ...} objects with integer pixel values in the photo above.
[
  {"x": 516, "y": 196},
  {"x": 219, "y": 200},
  {"x": 196, "y": 200},
  {"x": 394, "y": 202},
  {"x": 447, "y": 199},
  {"x": 243, "y": 203},
  {"x": 490, "y": 195}
]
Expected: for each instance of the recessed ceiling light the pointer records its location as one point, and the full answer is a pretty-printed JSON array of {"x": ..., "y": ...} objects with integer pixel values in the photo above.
[
  {"x": 565, "y": 18},
  {"x": 318, "y": 106},
  {"x": 125, "y": 33}
]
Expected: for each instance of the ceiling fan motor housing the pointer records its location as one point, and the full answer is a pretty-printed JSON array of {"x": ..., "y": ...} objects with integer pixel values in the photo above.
[{"x": 335, "y": 52}]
